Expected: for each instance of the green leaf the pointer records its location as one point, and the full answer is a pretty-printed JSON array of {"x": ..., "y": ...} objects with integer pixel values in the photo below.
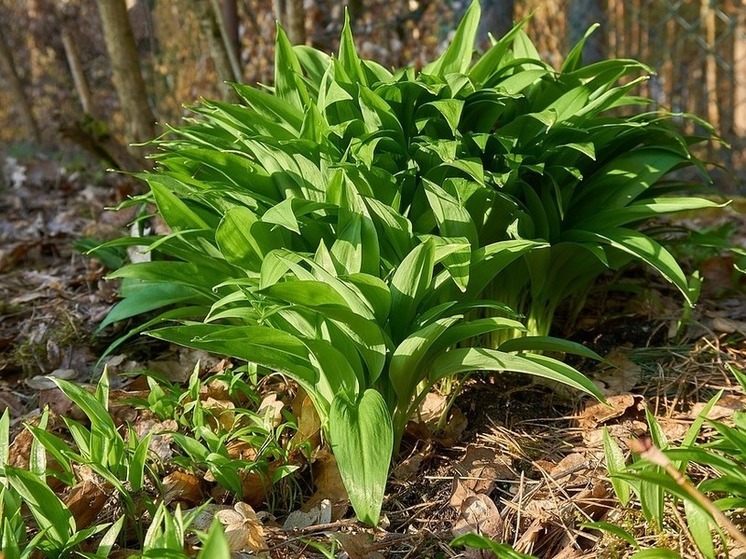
[
  {"x": 656, "y": 554},
  {"x": 49, "y": 512},
  {"x": 615, "y": 463},
  {"x": 288, "y": 85},
  {"x": 244, "y": 240},
  {"x": 641, "y": 246},
  {"x": 458, "y": 55},
  {"x": 215, "y": 546},
  {"x": 477, "y": 359},
  {"x": 362, "y": 440},
  {"x": 613, "y": 529},
  {"x": 548, "y": 343},
  {"x": 409, "y": 284},
  {"x": 477, "y": 541},
  {"x": 699, "y": 527}
]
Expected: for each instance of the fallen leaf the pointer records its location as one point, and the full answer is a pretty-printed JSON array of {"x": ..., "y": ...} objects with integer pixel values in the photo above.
[
  {"x": 243, "y": 530},
  {"x": 728, "y": 326},
  {"x": 358, "y": 545},
  {"x": 724, "y": 407},
  {"x": 86, "y": 500},
  {"x": 479, "y": 514},
  {"x": 329, "y": 485},
  {"x": 621, "y": 377},
  {"x": 596, "y": 413},
  {"x": 477, "y": 472},
  {"x": 309, "y": 423},
  {"x": 320, "y": 514},
  {"x": 271, "y": 408},
  {"x": 183, "y": 487}
]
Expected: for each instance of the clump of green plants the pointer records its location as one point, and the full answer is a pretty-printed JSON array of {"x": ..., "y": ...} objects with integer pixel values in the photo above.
[{"x": 368, "y": 233}]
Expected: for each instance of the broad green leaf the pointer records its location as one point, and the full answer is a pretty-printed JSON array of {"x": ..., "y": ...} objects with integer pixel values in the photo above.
[
  {"x": 216, "y": 545},
  {"x": 656, "y": 553},
  {"x": 548, "y": 343},
  {"x": 244, "y": 240},
  {"x": 148, "y": 298},
  {"x": 288, "y": 85},
  {"x": 48, "y": 511},
  {"x": 174, "y": 211},
  {"x": 458, "y": 55},
  {"x": 641, "y": 246},
  {"x": 405, "y": 369},
  {"x": 699, "y": 527},
  {"x": 477, "y": 541},
  {"x": 409, "y": 284},
  {"x": 615, "y": 463},
  {"x": 477, "y": 359},
  {"x": 362, "y": 439}
]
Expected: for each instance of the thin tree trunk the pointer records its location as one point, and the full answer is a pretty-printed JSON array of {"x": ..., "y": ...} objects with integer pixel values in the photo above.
[
  {"x": 15, "y": 86},
  {"x": 356, "y": 10},
  {"x": 128, "y": 80},
  {"x": 230, "y": 24},
  {"x": 581, "y": 15},
  {"x": 708, "y": 17},
  {"x": 76, "y": 69},
  {"x": 211, "y": 29},
  {"x": 229, "y": 45},
  {"x": 739, "y": 70},
  {"x": 296, "y": 17}
]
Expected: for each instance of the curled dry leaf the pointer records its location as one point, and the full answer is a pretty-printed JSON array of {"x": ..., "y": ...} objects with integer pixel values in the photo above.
[
  {"x": 271, "y": 407},
  {"x": 309, "y": 423},
  {"x": 86, "y": 500},
  {"x": 477, "y": 472},
  {"x": 724, "y": 407},
  {"x": 222, "y": 412},
  {"x": 621, "y": 377},
  {"x": 183, "y": 487},
  {"x": 595, "y": 413},
  {"x": 243, "y": 530}
]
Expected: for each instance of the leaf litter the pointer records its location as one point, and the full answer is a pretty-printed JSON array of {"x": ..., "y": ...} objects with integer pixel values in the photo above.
[{"x": 512, "y": 461}]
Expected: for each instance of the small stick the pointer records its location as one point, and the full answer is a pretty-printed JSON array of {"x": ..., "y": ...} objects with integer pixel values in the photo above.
[{"x": 646, "y": 449}]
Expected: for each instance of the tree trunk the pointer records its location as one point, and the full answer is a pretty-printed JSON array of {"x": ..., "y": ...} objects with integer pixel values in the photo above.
[
  {"x": 128, "y": 80},
  {"x": 296, "y": 16},
  {"x": 15, "y": 86},
  {"x": 76, "y": 69},
  {"x": 356, "y": 10},
  {"x": 230, "y": 24},
  {"x": 219, "y": 54},
  {"x": 497, "y": 19},
  {"x": 581, "y": 15}
]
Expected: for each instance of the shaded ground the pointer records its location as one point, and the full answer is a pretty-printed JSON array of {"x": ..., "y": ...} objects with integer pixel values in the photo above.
[{"x": 515, "y": 461}]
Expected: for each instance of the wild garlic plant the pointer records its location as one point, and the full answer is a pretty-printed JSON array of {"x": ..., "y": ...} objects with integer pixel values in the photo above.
[{"x": 360, "y": 231}]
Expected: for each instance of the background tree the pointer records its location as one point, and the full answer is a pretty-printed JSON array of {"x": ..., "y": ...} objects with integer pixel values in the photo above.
[
  {"x": 21, "y": 101},
  {"x": 125, "y": 66}
]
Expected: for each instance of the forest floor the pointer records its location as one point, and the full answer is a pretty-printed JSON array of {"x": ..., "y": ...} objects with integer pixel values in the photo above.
[{"x": 515, "y": 461}]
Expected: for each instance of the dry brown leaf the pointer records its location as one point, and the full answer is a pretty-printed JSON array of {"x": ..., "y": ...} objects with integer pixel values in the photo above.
[
  {"x": 358, "y": 545},
  {"x": 222, "y": 412},
  {"x": 407, "y": 469},
  {"x": 728, "y": 326},
  {"x": 86, "y": 500},
  {"x": 182, "y": 486},
  {"x": 568, "y": 466},
  {"x": 596, "y": 413},
  {"x": 477, "y": 472},
  {"x": 479, "y": 514},
  {"x": 329, "y": 485},
  {"x": 298, "y": 519},
  {"x": 255, "y": 486},
  {"x": 724, "y": 407},
  {"x": 272, "y": 407},
  {"x": 623, "y": 375},
  {"x": 309, "y": 423},
  {"x": 243, "y": 530}
]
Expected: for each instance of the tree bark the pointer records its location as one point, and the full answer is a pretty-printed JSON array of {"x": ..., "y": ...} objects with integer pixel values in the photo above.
[
  {"x": 15, "y": 86},
  {"x": 581, "y": 15},
  {"x": 128, "y": 80},
  {"x": 218, "y": 52},
  {"x": 230, "y": 24},
  {"x": 296, "y": 16},
  {"x": 76, "y": 69},
  {"x": 497, "y": 19}
]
